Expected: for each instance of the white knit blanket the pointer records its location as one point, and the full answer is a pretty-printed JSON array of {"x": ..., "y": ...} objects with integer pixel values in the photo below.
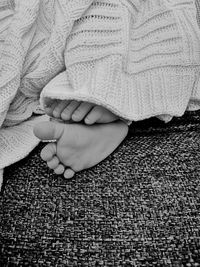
[{"x": 138, "y": 58}]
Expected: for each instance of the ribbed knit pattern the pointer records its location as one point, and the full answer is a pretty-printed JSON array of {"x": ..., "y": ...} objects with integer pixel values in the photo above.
[{"x": 138, "y": 58}]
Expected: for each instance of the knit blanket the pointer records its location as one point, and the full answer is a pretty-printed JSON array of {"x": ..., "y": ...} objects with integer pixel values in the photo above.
[{"x": 138, "y": 58}]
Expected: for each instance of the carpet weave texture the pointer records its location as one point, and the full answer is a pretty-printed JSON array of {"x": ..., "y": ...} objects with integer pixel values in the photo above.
[{"x": 139, "y": 207}]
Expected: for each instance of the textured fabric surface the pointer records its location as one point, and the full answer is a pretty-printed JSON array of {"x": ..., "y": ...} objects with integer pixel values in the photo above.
[{"x": 139, "y": 207}]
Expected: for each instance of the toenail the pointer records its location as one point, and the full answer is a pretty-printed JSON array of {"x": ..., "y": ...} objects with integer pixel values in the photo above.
[
  {"x": 65, "y": 116},
  {"x": 87, "y": 120},
  {"x": 75, "y": 116},
  {"x": 65, "y": 112}
]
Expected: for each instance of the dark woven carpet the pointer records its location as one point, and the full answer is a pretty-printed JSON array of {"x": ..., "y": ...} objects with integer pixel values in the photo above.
[{"x": 139, "y": 207}]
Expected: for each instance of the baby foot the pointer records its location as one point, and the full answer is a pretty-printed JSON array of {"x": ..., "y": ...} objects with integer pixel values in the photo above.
[
  {"x": 78, "y": 146},
  {"x": 78, "y": 111}
]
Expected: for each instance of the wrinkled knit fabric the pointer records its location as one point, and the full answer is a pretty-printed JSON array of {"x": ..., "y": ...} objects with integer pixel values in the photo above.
[
  {"x": 32, "y": 42},
  {"x": 138, "y": 58}
]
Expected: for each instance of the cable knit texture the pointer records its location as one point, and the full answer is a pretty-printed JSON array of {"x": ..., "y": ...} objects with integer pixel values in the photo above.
[{"x": 138, "y": 58}]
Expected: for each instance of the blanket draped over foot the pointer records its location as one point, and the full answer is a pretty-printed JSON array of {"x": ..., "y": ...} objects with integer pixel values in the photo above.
[{"x": 138, "y": 58}]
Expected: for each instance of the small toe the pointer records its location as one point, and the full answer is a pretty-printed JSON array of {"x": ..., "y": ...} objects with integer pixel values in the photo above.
[
  {"x": 94, "y": 115},
  {"x": 69, "y": 173},
  {"x": 67, "y": 112},
  {"x": 48, "y": 152},
  {"x": 59, "y": 108},
  {"x": 60, "y": 169},
  {"x": 80, "y": 113},
  {"x": 50, "y": 108},
  {"x": 53, "y": 163}
]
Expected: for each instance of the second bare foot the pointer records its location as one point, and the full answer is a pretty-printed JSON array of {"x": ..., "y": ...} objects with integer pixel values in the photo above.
[
  {"x": 78, "y": 146},
  {"x": 77, "y": 111}
]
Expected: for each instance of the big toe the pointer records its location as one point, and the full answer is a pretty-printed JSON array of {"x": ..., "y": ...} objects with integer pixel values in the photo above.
[{"x": 48, "y": 131}]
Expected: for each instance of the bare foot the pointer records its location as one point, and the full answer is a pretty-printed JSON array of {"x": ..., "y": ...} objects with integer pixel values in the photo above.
[
  {"x": 78, "y": 111},
  {"x": 78, "y": 146}
]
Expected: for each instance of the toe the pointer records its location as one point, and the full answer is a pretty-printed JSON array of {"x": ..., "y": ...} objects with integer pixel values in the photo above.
[
  {"x": 50, "y": 108},
  {"x": 60, "y": 169},
  {"x": 59, "y": 108},
  {"x": 49, "y": 101},
  {"x": 94, "y": 115},
  {"x": 53, "y": 163},
  {"x": 48, "y": 152},
  {"x": 69, "y": 173},
  {"x": 67, "y": 112},
  {"x": 48, "y": 130},
  {"x": 80, "y": 113}
]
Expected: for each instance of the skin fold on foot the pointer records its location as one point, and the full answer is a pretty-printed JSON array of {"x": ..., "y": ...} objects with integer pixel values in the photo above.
[
  {"x": 78, "y": 111},
  {"x": 78, "y": 146}
]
